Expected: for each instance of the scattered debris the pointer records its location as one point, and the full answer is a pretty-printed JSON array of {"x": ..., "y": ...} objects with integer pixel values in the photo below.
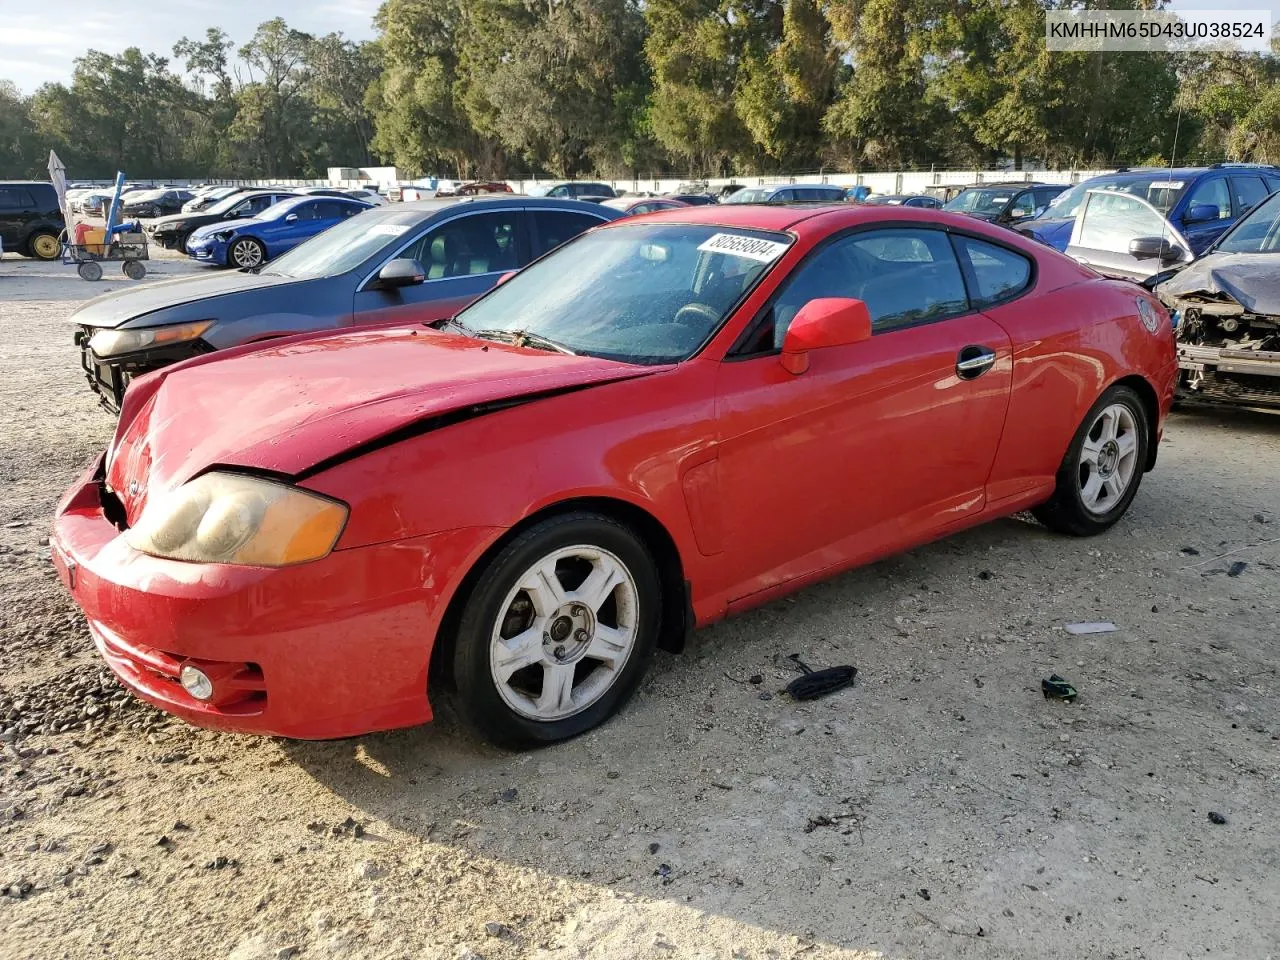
[
  {"x": 923, "y": 894},
  {"x": 508, "y": 795},
  {"x": 495, "y": 929},
  {"x": 1058, "y": 688},
  {"x": 1216, "y": 817},
  {"x": 985, "y": 575},
  {"x": 1237, "y": 568},
  {"x": 655, "y": 847},
  {"x": 1190, "y": 551},
  {"x": 1087, "y": 628}
]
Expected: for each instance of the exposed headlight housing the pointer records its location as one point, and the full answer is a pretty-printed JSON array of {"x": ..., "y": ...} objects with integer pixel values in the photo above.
[
  {"x": 235, "y": 518},
  {"x": 224, "y": 235},
  {"x": 110, "y": 343}
]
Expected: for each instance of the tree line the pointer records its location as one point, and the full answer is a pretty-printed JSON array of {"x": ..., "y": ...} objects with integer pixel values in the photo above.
[{"x": 623, "y": 88}]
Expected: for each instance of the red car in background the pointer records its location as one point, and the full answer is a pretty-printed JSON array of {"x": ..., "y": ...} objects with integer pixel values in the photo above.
[{"x": 665, "y": 421}]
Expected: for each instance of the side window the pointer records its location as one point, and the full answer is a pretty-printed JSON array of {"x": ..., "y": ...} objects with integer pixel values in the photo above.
[
  {"x": 470, "y": 245},
  {"x": 1212, "y": 192},
  {"x": 1045, "y": 195},
  {"x": 561, "y": 191},
  {"x": 904, "y": 276},
  {"x": 330, "y": 210},
  {"x": 998, "y": 273},
  {"x": 783, "y": 196},
  {"x": 1246, "y": 191},
  {"x": 640, "y": 208},
  {"x": 1023, "y": 205},
  {"x": 1109, "y": 220},
  {"x": 15, "y": 198},
  {"x": 553, "y": 228},
  {"x": 1273, "y": 184}
]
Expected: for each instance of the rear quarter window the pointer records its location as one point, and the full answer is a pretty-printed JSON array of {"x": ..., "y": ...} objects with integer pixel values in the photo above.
[{"x": 996, "y": 272}]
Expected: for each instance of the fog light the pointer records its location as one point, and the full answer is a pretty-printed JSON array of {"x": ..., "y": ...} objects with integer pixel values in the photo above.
[{"x": 195, "y": 682}]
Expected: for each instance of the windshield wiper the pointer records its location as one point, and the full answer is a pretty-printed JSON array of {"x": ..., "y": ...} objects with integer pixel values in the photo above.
[{"x": 523, "y": 338}]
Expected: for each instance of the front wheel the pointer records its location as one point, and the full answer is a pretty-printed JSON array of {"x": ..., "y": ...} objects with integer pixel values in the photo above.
[
  {"x": 134, "y": 269},
  {"x": 246, "y": 253},
  {"x": 1102, "y": 470},
  {"x": 44, "y": 245},
  {"x": 557, "y": 631}
]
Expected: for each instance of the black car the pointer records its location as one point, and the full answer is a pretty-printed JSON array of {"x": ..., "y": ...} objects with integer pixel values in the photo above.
[
  {"x": 1004, "y": 202},
  {"x": 695, "y": 199},
  {"x": 172, "y": 232},
  {"x": 161, "y": 202},
  {"x": 30, "y": 218}
]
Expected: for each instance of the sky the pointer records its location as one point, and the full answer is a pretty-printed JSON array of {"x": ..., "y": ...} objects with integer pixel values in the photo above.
[{"x": 40, "y": 40}]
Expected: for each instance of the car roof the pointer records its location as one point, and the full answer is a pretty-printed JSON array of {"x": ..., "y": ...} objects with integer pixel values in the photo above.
[
  {"x": 500, "y": 201},
  {"x": 822, "y": 218},
  {"x": 25, "y": 183}
]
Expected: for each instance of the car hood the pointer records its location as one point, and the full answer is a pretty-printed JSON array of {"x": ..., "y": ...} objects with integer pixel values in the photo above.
[
  {"x": 114, "y": 309},
  {"x": 210, "y": 229},
  {"x": 304, "y": 401},
  {"x": 1056, "y": 232},
  {"x": 1249, "y": 279}
]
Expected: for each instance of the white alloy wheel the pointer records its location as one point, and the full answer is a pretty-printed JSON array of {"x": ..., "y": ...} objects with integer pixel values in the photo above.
[
  {"x": 1108, "y": 459},
  {"x": 564, "y": 633}
]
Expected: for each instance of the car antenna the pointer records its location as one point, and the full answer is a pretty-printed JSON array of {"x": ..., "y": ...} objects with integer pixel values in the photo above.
[{"x": 1177, "y": 128}]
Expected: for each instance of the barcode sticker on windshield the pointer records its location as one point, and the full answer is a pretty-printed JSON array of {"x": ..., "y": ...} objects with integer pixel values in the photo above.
[
  {"x": 1166, "y": 185},
  {"x": 387, "y": 230},
  {"x": 736, "y": 245}
]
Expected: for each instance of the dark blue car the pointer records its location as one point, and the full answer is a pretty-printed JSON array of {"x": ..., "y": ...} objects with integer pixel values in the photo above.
[
  {"x": 405, "y": 262},
  {"x": 250, "y": 243},
  {"x": 1200, "y": 201}
]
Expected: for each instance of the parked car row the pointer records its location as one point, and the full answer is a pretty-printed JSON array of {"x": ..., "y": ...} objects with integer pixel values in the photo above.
[{"x": 503, "y": 449}]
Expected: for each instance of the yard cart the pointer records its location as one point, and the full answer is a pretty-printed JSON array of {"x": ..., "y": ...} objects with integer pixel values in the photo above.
[
  {"x": 127, "y": 249},
  {"x": 122, "y": 243}
]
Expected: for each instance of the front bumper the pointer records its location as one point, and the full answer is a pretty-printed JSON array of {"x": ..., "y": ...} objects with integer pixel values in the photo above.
[
  {"x": 207, "y": 250},
  {"x": 1227, "y": 375},
  {"x": 334, "y": 648},
  {"x": 109, "y": 378}
]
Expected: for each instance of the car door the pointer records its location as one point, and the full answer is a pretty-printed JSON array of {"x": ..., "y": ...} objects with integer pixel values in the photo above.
[
  {"x": 308, "y": 219},
  {"x": 1207, "y": 212},
  {"x": 463, "y": 257},
  {"x": 1125, "y": 236},
  {"x": 878, "y": 444},
  {"x": 1021, "y": 207},
  {"x": 16, "y": 207}
]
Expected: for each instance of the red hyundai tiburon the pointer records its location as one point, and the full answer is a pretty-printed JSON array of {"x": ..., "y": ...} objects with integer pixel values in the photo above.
[{"x": 668, "y": 420}]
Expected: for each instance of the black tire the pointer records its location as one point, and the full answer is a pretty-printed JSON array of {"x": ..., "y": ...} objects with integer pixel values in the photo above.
[
  {"x": 246, "y": 244},
  {"x": 44, "y": 245},
  {"x": 1065, "y": 511},
  {"x": 477, "y": 697}
]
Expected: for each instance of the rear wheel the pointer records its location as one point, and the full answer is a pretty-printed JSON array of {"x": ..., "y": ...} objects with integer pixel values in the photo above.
[
  {"x": 90, "y": 270},
  {"x": 134, "y": 269},
  {"x": 246, "y": 253},
  {"x": 557, "y": 632},
  {"x": 44, "y": 245},
  {"x": 1102, "y": 470}
]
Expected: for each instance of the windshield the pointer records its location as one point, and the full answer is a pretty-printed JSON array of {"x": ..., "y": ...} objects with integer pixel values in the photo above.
[
  {"x": 1259, "y": 232},
  {"x": 982, "y": 200},
  {"x": 225, "y": 204},
  {"x": 747, "y": 195},
  {"x": 1158, "y": 190},
  {"x": 640, "y": 293},
  {"x": 343, "y": 247}
]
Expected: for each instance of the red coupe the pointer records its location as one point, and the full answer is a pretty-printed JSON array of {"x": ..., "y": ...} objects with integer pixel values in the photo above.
[{"x": 665, "y": 421}]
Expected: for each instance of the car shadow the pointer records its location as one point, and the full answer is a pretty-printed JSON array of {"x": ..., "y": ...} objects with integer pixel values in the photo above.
[{"x": 709, "y": 790}]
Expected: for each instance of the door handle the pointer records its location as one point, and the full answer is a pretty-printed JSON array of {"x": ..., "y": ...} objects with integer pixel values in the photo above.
[{"x": 974, "y": 361}]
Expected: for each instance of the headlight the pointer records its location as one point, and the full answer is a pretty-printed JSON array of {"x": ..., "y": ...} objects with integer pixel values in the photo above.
[
  {"x": 224, "y": 235},
  {"x": 234, "y": 518},
  {"x": 110, "y": 343}
]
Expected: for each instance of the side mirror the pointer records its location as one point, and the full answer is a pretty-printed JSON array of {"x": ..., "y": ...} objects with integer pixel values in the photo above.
[
  {"x": 1018, "y": 213},
  {"x": 1201, "y": 212},
  {"x": 505, "y": 277},
  {"x": 1152, "y": 248},
  {"x": 290, "y": 218},
  {"x": 824, "y": 322},
  {"x": 401, "y": 273}
]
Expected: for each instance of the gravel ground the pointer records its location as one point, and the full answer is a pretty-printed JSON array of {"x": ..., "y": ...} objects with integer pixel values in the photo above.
[{"x": 941, "y": 807}]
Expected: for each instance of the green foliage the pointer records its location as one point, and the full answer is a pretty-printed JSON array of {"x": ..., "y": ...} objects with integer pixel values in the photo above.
[{"x": 630, "y": 88}]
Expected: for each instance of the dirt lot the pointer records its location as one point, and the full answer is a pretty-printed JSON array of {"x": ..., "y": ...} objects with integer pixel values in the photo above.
[{"x": 942, "y": 807}]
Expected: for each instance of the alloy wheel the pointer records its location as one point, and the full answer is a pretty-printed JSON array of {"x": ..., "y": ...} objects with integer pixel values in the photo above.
[
  {"x": 246, "y": 253},
  {"x": 564, "y": 633},
  {"x": 1108, "y": 459}
]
